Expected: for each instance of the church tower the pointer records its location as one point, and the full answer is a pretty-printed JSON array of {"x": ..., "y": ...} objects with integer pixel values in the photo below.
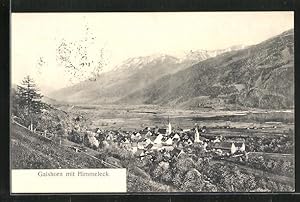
[
  {"x": 197, "y": 136},
  {"x": 169, "y": 127}
]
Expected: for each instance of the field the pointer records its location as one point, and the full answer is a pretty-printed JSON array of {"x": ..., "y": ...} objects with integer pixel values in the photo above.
[{"x": 137, "y": 117}]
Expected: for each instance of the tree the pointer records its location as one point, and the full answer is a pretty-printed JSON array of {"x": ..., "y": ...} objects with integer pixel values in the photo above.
[
  {"x": 28, "y": 96},
  {"x": 59, "y": 132},
  {"x": 28, "y": 99}
]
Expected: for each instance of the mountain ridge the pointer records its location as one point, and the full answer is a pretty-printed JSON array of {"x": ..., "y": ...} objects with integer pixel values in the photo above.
[
  {"x": 246, "y": 76},
  {"x": 129, "y": 76}
]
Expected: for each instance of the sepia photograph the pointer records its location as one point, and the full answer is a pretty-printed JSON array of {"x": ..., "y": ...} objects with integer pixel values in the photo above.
[{"x": 177, "y": 101}]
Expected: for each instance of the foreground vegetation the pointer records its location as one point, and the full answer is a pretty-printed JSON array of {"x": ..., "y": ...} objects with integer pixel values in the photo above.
[{"x": 31, "y": 151}]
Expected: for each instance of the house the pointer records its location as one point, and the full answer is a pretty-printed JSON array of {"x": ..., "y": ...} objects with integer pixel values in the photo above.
[
  {"x": 97, "y": 130},
  {"x": 146, "y": 134},
  {"x": 126, "y": 140},
  {"x": 148, "y": 141},
  {"x": 175, "y": 142},
  {"x": 180, "y": 145},
  {"x": 109, "y": 136},
  {"x": 162, "y": 131},
  {"x": 151, "y": 139},
  {"x": 135, "y": 136},
  {"x": 185, "y": 137},
  {"x": 176, "y": 136},
  {"x": 138, "y": 135},
  {"x": 176, "y": 152},
  {"x": 125, "y": 143},
  {"x": 181, "y": 153},
  {"x": 142, "y": 143},
  {"x": 216, "y": 140},
  {"x": 134, "y": 147},
  {"x": 243, "y": 147},
  {"x": 186, "y": 130},
  {"x": 203, "y": 129},
  {"x": 240, "y": 146},
  {"x": 147, "y": 129},
  {"x": 166, "y": 141},
  {"x": 157, "y": 146},
  {"x": 169, "y": 141},
  {"x": 158, "y": 139},
  {"x": 189, "y": 141},
  {"x": 228, "y": 147},
  {"x": 168, "y": 148},
  {"x": 143, "y": 133}
]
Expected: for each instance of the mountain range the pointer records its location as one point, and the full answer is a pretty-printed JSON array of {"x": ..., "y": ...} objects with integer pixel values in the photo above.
[
  {"x": 131, "y": 75},
  {"x": 259, "y": 76}
]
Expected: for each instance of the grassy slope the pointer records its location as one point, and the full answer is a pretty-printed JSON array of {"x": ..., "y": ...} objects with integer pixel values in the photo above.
[{"x": 31, "y": 151}]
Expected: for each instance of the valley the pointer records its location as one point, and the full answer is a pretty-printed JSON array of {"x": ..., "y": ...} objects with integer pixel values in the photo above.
[{"x": 133, "y": 117}]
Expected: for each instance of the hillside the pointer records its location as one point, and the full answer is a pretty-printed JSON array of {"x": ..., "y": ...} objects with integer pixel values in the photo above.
[
  {"x": 131, "y": 75},
  {"x": 259, "y": 76},
  {"x": 31, "y": 151}
]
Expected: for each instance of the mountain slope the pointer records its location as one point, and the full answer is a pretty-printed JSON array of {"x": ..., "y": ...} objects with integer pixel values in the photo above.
[
  {"x": 258, "y": 76},
  {"x": 195, "y": 56},
  {"x": 131, "y": 75}
]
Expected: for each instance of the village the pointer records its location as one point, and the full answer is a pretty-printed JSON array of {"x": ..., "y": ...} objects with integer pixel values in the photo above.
[
  {"x": 170, "y": 142},
  {"x": 164, "y": 153}
]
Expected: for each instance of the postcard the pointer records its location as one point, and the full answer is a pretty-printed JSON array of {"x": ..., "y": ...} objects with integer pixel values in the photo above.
[{"x": 152, "y": 102}]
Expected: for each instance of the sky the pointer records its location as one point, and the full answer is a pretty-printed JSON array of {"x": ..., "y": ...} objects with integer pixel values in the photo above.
[{"x": 35, "y": 37}]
